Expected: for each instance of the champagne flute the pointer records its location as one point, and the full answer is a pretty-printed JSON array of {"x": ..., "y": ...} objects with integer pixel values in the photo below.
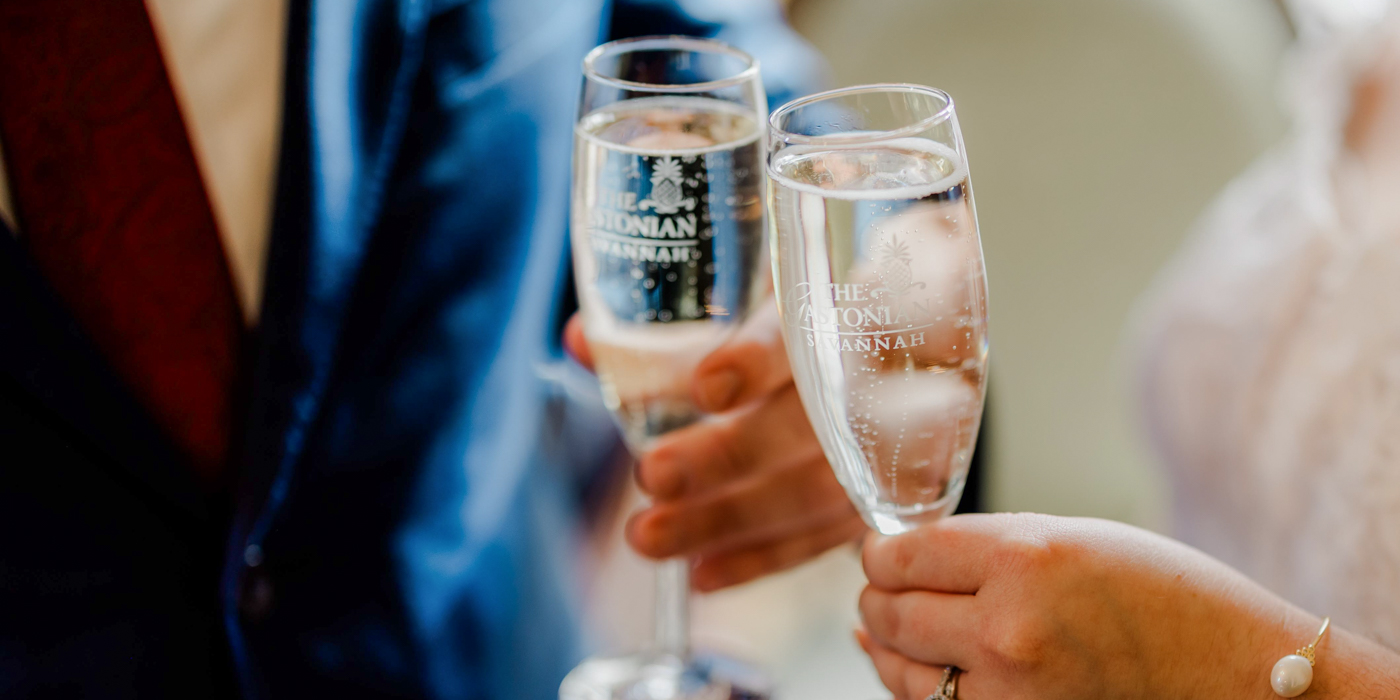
[
  {"x": 879, "y": 274},
  {"x": 669, "y": 260}
]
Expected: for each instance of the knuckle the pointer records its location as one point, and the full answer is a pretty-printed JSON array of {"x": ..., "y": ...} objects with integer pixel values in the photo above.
[
  {"x": 729, "y": 454},
  {"x": 1019, "y": 641},
  {"x": 879, "y": 616},
  {"x": 887, "y": 559},
  {"x": 1025, "y": 555},
  {"x": 891, "y": 621},
  {"x": 905, "y": 553},
  {"x": 916, "y": 628},
  {"x": 724, "y": 518}
]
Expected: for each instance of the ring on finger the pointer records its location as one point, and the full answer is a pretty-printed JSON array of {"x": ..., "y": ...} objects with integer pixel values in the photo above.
[{"x": 947, "y": 686}]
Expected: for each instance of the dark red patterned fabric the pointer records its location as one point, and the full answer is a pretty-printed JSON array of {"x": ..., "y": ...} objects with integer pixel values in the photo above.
[{"x": 113, "y": 210}]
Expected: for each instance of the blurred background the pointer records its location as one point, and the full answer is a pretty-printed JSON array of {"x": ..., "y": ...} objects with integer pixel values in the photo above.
[{"x": 1098, "y": 130}]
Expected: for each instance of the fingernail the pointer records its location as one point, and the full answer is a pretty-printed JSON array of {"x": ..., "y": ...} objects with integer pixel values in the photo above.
[
  {"x": 861, "y": 638},
  {"x": 717, "y": 390}
]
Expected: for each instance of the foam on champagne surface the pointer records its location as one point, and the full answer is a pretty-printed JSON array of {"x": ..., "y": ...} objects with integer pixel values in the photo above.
[
  {"x": 676, "y": 126},
  {"x": 897, "y": 169}
]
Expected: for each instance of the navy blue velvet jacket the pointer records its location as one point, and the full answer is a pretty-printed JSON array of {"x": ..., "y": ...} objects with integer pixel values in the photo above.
[{"x": 409, "y": 467}]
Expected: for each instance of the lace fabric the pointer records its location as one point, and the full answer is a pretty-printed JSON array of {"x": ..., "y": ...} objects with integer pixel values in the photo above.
[{"x": 1270, "y": 362}]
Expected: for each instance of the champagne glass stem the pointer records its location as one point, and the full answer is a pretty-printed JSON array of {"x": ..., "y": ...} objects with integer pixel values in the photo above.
[{"x": 672, "y": 625}]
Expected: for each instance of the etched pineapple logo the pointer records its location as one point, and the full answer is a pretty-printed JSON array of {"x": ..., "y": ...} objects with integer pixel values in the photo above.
[
  {"x": 895, "y": 271},
  {"x": 666, "y": 196}
]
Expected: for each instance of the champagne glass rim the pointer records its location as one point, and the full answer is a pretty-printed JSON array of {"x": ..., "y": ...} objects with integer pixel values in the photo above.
[
  {"x": 662, "y": 42},
  {"x": 785, "y": 136}
]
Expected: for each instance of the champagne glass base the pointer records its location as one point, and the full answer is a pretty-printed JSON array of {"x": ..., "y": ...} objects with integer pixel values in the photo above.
[
  {"x": 889, "y": 519},
  {"x": 655, "y": 677}
]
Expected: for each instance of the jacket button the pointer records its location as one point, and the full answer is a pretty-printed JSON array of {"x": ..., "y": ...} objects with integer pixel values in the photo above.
[{"x": 255, "y": 597}]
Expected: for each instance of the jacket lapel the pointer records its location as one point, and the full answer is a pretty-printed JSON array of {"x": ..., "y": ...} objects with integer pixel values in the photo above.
[
  {"x": 47, "y": 356},
  {"x": 351, "y": 67}
]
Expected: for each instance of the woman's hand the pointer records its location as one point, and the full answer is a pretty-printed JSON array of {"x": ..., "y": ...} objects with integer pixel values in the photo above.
[
  {"x": 1033, "y": 606},
  {"x": 746, "y": 492}
]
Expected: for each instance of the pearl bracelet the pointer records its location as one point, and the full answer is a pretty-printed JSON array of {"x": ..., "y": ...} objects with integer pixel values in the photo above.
[{"x": 1294, "y": 673}]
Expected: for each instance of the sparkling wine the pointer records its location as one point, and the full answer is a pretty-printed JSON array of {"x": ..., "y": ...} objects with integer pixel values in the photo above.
[
  {"x": 667, "y": 231},
  {"x": 645, "y": 371},
  {"x": 878, "y": 269},
  {"x": 668, "y": 224}
]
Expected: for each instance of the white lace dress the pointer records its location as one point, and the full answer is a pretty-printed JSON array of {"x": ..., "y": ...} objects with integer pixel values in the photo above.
[{"x": 1271, "y": 364}]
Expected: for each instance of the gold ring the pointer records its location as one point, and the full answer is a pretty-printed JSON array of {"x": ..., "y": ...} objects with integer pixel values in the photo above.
[{"x": 947, "y": 686}]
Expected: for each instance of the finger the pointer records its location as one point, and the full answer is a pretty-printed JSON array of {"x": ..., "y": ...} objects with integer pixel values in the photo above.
[
  {"x": 576, "y": 343},
  {"x": 718, "y": 571},
  {"x": 764, "y": 506},
  {"x": 772, "y": 435},
  {"x": 752, "y": 364},
  {"x": 908, "y": 680},
  {"x": 951, "y": 555},
  {"x": 932, "y": 628}
]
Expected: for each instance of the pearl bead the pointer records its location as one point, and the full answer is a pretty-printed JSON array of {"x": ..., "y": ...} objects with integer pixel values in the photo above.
[{"x": 1292, "y": 675}]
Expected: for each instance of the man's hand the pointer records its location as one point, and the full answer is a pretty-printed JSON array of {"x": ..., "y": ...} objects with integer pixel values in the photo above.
[{"x": 746, "y": 492}]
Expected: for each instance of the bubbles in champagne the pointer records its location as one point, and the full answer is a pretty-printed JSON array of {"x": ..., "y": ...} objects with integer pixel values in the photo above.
[
  {"x": 668, "y": 244},
  {"x": 646, "y": 370},
  {"x": 879, "y": 272}
]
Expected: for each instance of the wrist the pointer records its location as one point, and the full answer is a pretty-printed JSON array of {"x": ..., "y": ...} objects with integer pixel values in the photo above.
[
  {"x": 1347, "y": 667},
  {"x": 1351, "y": 667},
  {"x": 1276, "y": 630}
]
